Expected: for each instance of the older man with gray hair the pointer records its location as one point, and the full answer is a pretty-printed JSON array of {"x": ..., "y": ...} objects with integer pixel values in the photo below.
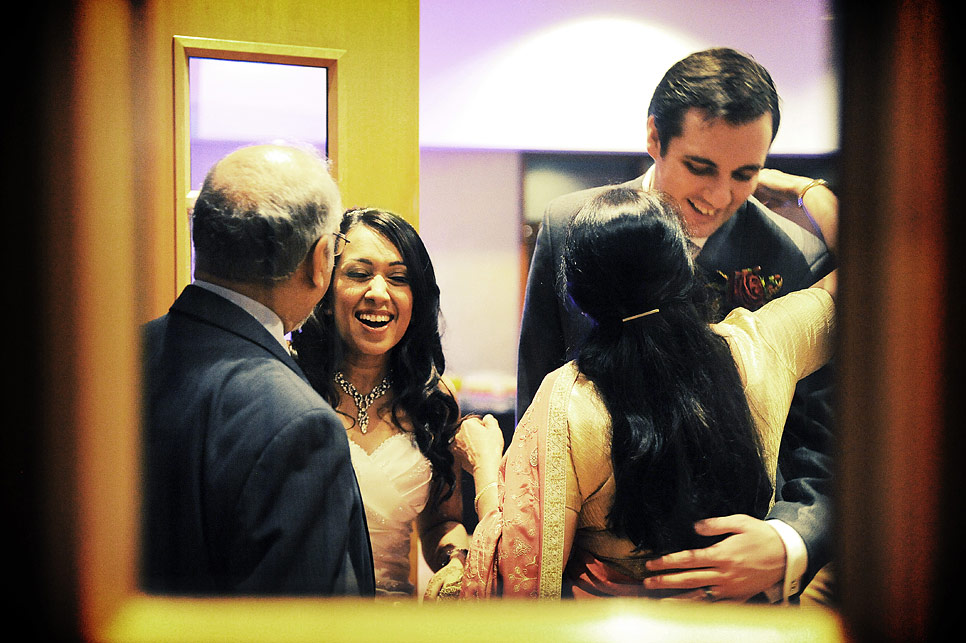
[{"x": 248, "y": 487}]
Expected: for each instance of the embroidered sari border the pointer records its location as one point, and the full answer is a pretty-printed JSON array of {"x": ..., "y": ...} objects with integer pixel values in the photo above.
[{"x": 554, "y": 487}]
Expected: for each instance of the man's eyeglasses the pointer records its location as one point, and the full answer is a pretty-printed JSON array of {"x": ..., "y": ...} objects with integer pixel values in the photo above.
[{"x": 339, "y": 246}]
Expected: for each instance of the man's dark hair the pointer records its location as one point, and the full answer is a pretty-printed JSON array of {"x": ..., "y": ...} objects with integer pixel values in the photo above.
[{"x": 723, "y": 83}]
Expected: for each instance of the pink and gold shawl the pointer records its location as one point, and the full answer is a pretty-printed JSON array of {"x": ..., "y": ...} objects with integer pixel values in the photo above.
[{"x": 517, "y": 549}]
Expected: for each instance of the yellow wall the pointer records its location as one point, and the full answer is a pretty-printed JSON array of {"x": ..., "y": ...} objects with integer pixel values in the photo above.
[{"x": 378, "y": 76}]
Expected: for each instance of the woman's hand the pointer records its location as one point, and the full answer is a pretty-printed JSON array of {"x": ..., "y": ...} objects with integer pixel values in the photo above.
[
  {"x": 777, "y": 188},
  {"x": 829, "y": 282},
  {"x": 478, "y": 448},
  {"x": 446, "y": 583},
  {"x": 780, "y": 192},
  {"x": 478, "y": 445}
]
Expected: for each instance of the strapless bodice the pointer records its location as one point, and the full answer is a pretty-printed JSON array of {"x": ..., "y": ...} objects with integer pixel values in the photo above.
[{"x": 394, "y": 480}]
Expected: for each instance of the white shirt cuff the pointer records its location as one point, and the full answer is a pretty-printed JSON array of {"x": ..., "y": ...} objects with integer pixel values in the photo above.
[{"x": 796, "y": 561}]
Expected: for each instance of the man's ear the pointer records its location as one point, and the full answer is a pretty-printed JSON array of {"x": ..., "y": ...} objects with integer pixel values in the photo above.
[
  {"x": 653, "y": 140},
  {"x": 320, "y": 263}
]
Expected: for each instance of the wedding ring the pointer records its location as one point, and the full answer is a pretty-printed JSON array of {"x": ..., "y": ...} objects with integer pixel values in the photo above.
[{"x": 708, "y": 593}]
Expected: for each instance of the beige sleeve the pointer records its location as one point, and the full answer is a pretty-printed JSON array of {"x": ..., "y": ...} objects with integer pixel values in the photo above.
[
  {"x": 774, "y": 347},
  {"x": 589, "y": 444},
  {"x": 799, "y": 327}
]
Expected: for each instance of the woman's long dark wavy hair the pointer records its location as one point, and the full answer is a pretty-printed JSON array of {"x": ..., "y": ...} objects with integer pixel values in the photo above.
[
  {"x": 684, "y": 446},
  {"x": 416, "y": 362}
]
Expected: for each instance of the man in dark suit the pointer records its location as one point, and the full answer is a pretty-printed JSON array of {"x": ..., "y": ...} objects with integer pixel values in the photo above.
[
  {"x": 710, "y": 124},
  {"x": 248, "y": 485}
]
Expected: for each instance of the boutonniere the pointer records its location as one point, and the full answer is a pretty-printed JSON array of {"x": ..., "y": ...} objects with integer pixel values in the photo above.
[{"x": 747, "y": 288}]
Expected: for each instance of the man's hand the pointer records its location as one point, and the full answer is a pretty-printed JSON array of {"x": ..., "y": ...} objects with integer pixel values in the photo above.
[{"x": 749, "y": 561}]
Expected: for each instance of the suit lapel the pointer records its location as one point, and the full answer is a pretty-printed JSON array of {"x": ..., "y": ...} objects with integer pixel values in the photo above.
[{"x": 750, "y": 239}]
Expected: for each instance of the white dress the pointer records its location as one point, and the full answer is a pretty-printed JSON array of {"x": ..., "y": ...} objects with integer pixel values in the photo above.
[{"x": 394, "y": 480}]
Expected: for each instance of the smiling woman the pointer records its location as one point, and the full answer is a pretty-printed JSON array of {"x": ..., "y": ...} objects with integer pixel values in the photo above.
[
  {"x": 373, "y": 350},
  {"x": 373, "y": 299}
]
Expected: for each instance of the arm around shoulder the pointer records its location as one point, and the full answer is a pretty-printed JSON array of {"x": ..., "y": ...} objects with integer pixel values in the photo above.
[{"x": 793, "y": 196}]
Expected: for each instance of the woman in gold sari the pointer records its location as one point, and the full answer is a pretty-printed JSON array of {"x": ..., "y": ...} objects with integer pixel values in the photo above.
[{"x": 661, "y": 421}]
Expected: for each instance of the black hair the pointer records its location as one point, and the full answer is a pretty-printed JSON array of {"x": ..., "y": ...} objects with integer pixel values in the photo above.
[
  {"x": 684, "y": 446},
  {"x": 723, "y": 83}
]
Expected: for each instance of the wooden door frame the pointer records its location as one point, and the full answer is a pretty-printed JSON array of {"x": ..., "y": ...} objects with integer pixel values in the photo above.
[{"x": 185, "y": 47}]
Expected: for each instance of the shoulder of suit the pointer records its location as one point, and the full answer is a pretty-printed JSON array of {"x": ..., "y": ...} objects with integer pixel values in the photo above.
[
  {"x": 562, "y": 209},
  {"x": 287, "y": 394}
]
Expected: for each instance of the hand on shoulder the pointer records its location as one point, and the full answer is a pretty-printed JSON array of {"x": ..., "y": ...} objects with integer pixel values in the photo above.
[{"x": 793, "y": 196}]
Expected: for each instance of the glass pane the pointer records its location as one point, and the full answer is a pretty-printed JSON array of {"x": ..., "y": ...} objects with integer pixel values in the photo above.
[{"x": 234, "y": 103}]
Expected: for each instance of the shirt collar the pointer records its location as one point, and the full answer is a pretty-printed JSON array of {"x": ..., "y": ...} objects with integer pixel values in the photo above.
[{"x": 262, "y": 313}]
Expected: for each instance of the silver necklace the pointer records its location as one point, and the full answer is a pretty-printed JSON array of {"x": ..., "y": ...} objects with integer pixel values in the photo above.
[{"x": 363, "y": 402}]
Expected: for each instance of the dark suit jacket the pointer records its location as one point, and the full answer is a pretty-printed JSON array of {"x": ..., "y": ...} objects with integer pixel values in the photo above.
[
  {"x": 248, "y": 487},
  {"x": 552, "y": 329}
]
